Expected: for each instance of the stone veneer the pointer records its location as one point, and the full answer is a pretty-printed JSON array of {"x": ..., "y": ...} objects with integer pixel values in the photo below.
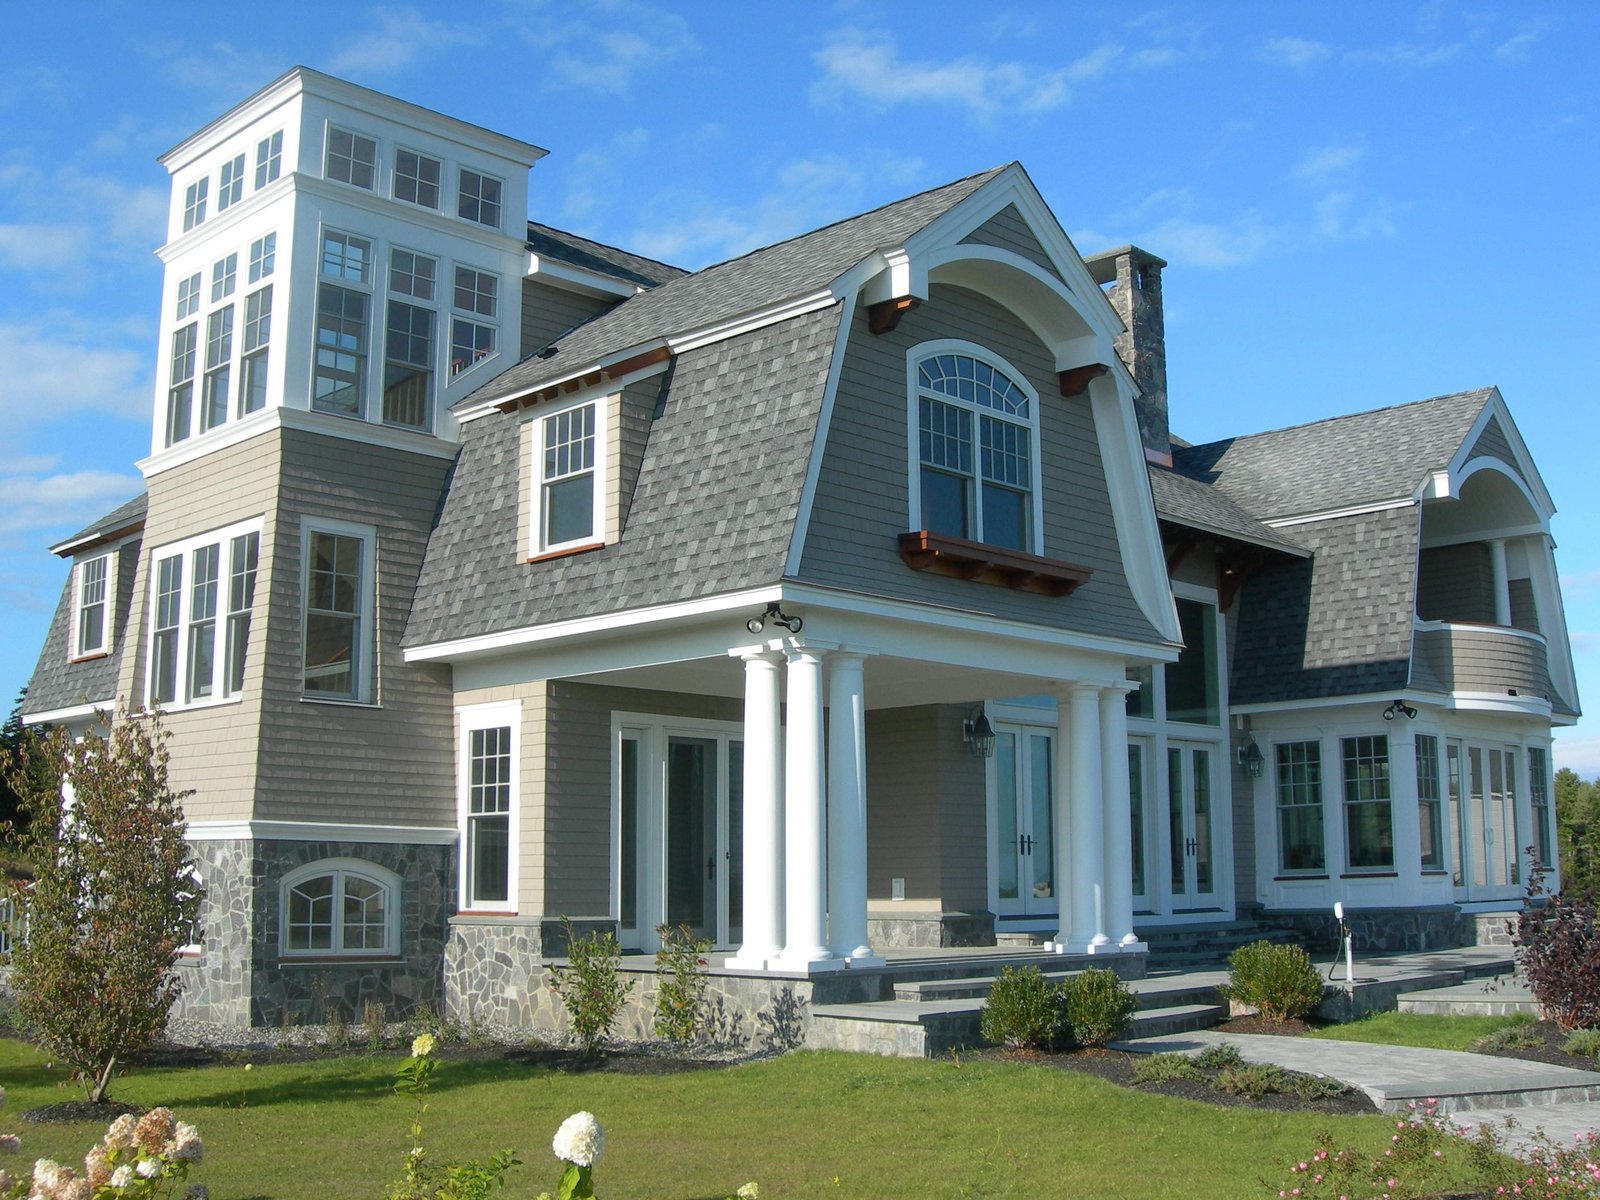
[
  {"x": 239, "y": 978},
  {"x": 1394, "y": 930},
  {"x": 929, "y": 930}
]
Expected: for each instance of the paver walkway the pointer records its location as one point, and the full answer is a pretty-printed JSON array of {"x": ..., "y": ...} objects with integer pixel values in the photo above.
[{"x": 1472, "y": 1089}]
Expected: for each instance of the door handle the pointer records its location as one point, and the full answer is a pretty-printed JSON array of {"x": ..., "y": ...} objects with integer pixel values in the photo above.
[
  {"x": 711, "y": 868},
  {"x": 1025, "y": 843},
  {"x": 1190, "y": 847}
]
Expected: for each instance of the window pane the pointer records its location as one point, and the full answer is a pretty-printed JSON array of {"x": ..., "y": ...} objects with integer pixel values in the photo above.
[
  {"x": 569, "y": 510},
  {"x": 341, "y": 350},
  {"x": 944, "y": 503},
  {"x": 365, "y": 919},
  {"x": 310, "y": 918},
  {"x": 1299, "y": 778},
  {"x": 1005, "y": 517},
  {"x": 489, "y": 850},
  {"x": 1369, "y": 826},
  {"x": 333, "y": 624},
  {"x": 408, "y": 366},
  {"x": 1192, "y": 680}
]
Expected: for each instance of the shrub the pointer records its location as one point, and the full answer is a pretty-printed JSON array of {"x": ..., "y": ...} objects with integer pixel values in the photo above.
[
  {"x": 1315, "y": 1087},
  {"x": 1159, "y": 1068},
  {"x": 1219, "y": 1057},
  {"x": 1557, "y": 945},
  {"x": 375, "y": 1021},
  {"x": 114, "y": 899},
  {"x": 145, "y": 1158},
  {"x": 1253, "y": 1080},
  {"x": 591, "y": 987},
  {"x": 680, "y": 984},
  {"x": 1097, "y": 1007},
  {"x": 1023, "y": 1011},
  {"x": 1583, "y": 1043},
  {"x": 1279, "y": 982},
  {"x": 1520, "y": 1035}
]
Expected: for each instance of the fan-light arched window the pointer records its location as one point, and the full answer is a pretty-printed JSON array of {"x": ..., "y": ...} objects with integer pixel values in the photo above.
[
  {"x": 340, "y": 907},
  {"x": 976, "y": 448}
]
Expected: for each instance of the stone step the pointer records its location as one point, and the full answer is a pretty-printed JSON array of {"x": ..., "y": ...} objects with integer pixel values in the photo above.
[
  {"x": 1150, "y": 993},
  {"x": 1177, "y": 1018},
  {"x": 1470, "y": 998}
]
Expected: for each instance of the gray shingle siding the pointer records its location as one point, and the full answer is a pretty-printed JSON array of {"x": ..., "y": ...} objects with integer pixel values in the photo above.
[
  {"x": 713, "y": 511},
  {"x": 1008, "y": 230},
  {"x": 548, "y": 312},
  {"x": 1342, "y": 463},
  {"x": 1337, "y": 625},
  {"x": 1493, "y": 442},
  {"x": 862, "y": 499},
  {"x": 60, "y": 683},
  {"x": 1455, "y": 583}
]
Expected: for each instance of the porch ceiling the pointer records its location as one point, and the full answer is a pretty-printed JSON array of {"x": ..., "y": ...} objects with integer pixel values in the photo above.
[{"x": 890, "y": 682}]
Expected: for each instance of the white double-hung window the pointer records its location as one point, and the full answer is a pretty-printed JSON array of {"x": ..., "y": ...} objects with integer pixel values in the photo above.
[
  {"x": 344, "y": 325},
  {"x": 473, "y": 329},
  {"x": 489, "y": 772},
  {"x": 569, "y": 484},
  {"x": 91, "y": 596},
  {"x": 974, "y": 447},
  {"x": 202, "y": 594},
  {"x": 337, "y": 611}
]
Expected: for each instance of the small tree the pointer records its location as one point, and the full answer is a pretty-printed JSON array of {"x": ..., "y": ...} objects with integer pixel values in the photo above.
[{"x": 113, "y": 899}]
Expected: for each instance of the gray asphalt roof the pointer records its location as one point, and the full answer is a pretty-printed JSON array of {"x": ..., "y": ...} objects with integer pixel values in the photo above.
[
  {"x": 713, "y": 509},
  {"x": 58, "y": 682},
  {"x": 1189, "y": 502},
  {"x": 753, "y": 281},
  {"x": 1363, "y": 458},
  {"x": 597, "y": 256},
  {"x": 118, "y": 519}
]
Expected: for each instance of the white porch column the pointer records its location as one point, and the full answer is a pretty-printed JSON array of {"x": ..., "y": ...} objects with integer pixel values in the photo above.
[
  {"x": 1061, "y": 789},
  {"x": 1502, "y": 586},
  {"x": 1118, "y": 818},
  {"x": 847, "y": 808},
  {"x": 805, "y": 817},
  {"x": 1405, "y": 824},
  {"x": 1088, "y": 825},
  {"x": 763, "y": 815}
]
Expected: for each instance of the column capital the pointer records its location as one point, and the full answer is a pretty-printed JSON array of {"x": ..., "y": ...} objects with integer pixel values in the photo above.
[
  {"x": 1079, "y": 687},
  {"x": 757, "y": 656},
  {"x": 1119, "y": 688}
]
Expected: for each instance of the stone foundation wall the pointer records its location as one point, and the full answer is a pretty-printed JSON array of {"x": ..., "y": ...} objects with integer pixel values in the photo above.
[
  {"x": 924, "y": 931},
  {"x": 1393, "y": 931},
  {"x": 239, "y": 977}
]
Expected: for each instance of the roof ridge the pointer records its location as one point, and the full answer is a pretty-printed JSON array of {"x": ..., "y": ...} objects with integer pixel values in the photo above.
[{"x": 1366, "y": 412}]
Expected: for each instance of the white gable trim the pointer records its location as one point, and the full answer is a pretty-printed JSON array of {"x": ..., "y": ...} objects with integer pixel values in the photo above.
[{"x": 1495, "y": 409}]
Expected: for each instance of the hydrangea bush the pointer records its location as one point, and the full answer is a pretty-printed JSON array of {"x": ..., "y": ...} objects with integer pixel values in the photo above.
[{"x": 137, "y": 1159}]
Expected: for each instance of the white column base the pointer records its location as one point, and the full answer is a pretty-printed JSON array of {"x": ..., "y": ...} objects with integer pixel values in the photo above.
[
  {"x": 865, "y": 962},
  {"x": 808, "y": 966},
  {"x": 738, "y": 962},
  {"x": 1134, "y": 947}
]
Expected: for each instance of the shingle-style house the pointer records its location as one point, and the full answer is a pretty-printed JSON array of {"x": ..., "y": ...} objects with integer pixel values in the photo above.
[{"x": 851, "y": 594}]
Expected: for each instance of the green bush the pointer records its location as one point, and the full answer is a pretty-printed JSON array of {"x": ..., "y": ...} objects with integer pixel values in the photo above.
[
  {"x": 1219, "y": 1057},
  {"x": 1279, "y": 982},
  {"x": 1518, "y": 1036},
  {"x": 1023, "y": 1011},
  {"x": 1583, "y": 1043},
  {"x": 591, "y": 987},
  {"x": 1097, "y": 1007},
  {"x": 1253, "y": 1080},
  {"x": 680, "y": 984},
  {"x": 1315, "y": 1087},
  {"x": 1159, "y": 1068}
]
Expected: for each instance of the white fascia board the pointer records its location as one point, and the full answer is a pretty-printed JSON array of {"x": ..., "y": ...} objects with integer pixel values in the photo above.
[
  {"x": 576, "y": 279},
  {"x": 484, "y": 407},
  {"x": 819, "y": 441},
  {"x": 1484, "y": 535},
  {"x": 1234, "y": 536},
  {"x": 535, "y": 635},
  {"x": 1422, "y": 626},
  {"x": 1333, "y": 514},
  {"x": 608, "y": 386},
  {"x": 368, "y": 433},
  {"x": 62, "y": 716},
  {"x": 123, "y": 534},
  {"x": 748, "y": 322},
  {"x": 318, "y": 831}
]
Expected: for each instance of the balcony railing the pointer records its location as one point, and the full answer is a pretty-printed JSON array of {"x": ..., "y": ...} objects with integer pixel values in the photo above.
[{"x": 1485, "y": 659}]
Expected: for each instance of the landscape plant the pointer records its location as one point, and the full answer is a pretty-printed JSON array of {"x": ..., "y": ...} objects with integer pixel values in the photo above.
[
  {"x": 138, "y": 1159},
  {"x": 680, "y": 984},
  {"x": 1557, "y": 944},
  {"x": 113, "y": 900},
  {"x": 423, "y": 1178},
  {"x": 1096, "y": 1006},
  {"x": 1279, "y": 982},
  {"x": 1023, "y": 1011},
  {"x": 591, "y": 987}
]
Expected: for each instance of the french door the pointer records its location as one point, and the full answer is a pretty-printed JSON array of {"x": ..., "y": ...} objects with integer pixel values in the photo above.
[
  {"x": 1191, "y": 833},
  {"x": 1024, "y": 838},
  {"x": 679, "y": 855},
  {"x": 1483, "y": 835}
]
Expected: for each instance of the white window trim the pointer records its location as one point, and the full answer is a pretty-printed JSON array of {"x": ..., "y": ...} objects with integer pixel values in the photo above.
[
  {"x": 75, "y": 652},
  {"x": 340, "y": 867},
  {"x": 471, "y": 316},
  {"x": 377, "y": 158},
  {"x": 537, "y": 548},
  {"x": 498, "y": 715},
  {"x": 924, "y": 350},
  {"x": 366, "y": 674},
  {"x": 394, "y": 176},
  {"x": 456, "y": 212},
  {"x": 222, "y": 539},
  {"x": 1290, "y": 739}
]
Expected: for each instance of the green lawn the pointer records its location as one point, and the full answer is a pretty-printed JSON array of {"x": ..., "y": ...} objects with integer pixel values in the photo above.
[
  {"x": 805, "y": 1125},
  {"x": 1417, "y": 1029}
]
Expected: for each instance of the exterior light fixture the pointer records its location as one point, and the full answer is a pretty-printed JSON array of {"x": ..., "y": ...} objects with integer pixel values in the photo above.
[
  {"x": 979, "y": 733},
  {"x": 778, "y": 617},
  {"x": 1250, "y": 758},
  {"x": 1398, "y": 707}
]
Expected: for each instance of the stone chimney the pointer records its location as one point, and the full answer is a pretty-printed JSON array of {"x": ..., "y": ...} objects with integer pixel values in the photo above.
[{"x": 1135, "y": 276}]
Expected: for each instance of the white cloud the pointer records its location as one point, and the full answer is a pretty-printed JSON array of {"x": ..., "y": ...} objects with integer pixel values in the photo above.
[
  {"x": 595, "y": 177},
  {"x": 1402, "y": 55},
  {"x": 604, "y": 52},
  {"x": 1337, "y": 218},
  {"x": 1583, "y": 641},
  {"x": 57, "y": 365},
  {"x": 1292, "y": 52},
  {"x": 402, "y": 35},
  {"x": 54, "y": 248},
  {"x": 28, "y": 464},
  {"x": 868, "y": 65},
  {"x": 1320, "y": 162},
  {"x": 34, "y": 502},
  {"x": 220, "y": 67},
  {"x": 1242, "y": 239}
]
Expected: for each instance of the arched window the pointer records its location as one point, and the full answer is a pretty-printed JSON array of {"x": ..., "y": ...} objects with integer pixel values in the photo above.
[
  {"x": 976, "y": 437},
  {"x": 340, "y": 906}
]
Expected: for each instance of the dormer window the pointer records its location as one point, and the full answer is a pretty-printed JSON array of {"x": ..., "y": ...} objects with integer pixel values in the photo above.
[
  {"x": 568, "y": 483},
  {"x": 416, "y": 179},
  {"x": 230, "y": 183},
  {"x": 194, "y": 204},
  {"x": 269, "y": 158},
  {"x": 477, "y": 303},
  {"x": 976, "y": 428},
  {"x": 93, "y": 589},
  {"x": 352, "y": 159},
  {"x": 479, "y": 199}
]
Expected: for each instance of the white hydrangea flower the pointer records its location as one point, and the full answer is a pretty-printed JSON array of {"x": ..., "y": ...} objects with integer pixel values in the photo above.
[
  {"x": 422, "y": 1046},
  {"x": 120, "y": 1136},
  {"x": 580, "y": 1140},
  {"x": 122, "y": 1177},
  {"x": 186, "y": 1144},
  {"x": 148, "y": 1168},
  {"x": 750, "y": 1191}
]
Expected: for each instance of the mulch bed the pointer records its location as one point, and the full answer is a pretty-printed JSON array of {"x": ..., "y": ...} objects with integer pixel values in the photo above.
[
  {"x": 71, "y": 1111},
  {"x": 1116, "y": 1066},
  {"x": 1550, "y": 1052},
  {"x": 1255, "y": 1024},
  {"x": 626, "y": 1060}
]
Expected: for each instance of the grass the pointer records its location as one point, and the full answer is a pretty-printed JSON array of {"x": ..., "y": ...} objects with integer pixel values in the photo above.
[
  {"x": 1419, "y": 1029},
  {"x": 807, "y": 1125}
]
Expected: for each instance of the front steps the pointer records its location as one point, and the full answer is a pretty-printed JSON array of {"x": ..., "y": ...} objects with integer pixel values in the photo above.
[{"x": 1197, "y": 945}]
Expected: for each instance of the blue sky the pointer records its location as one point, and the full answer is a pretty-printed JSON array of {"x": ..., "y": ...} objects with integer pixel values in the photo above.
[{"x": 1361, "y": 205}]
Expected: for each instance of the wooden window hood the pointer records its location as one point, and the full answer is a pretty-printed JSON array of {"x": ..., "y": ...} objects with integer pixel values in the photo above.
[{"x": 924, "y": 550}]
